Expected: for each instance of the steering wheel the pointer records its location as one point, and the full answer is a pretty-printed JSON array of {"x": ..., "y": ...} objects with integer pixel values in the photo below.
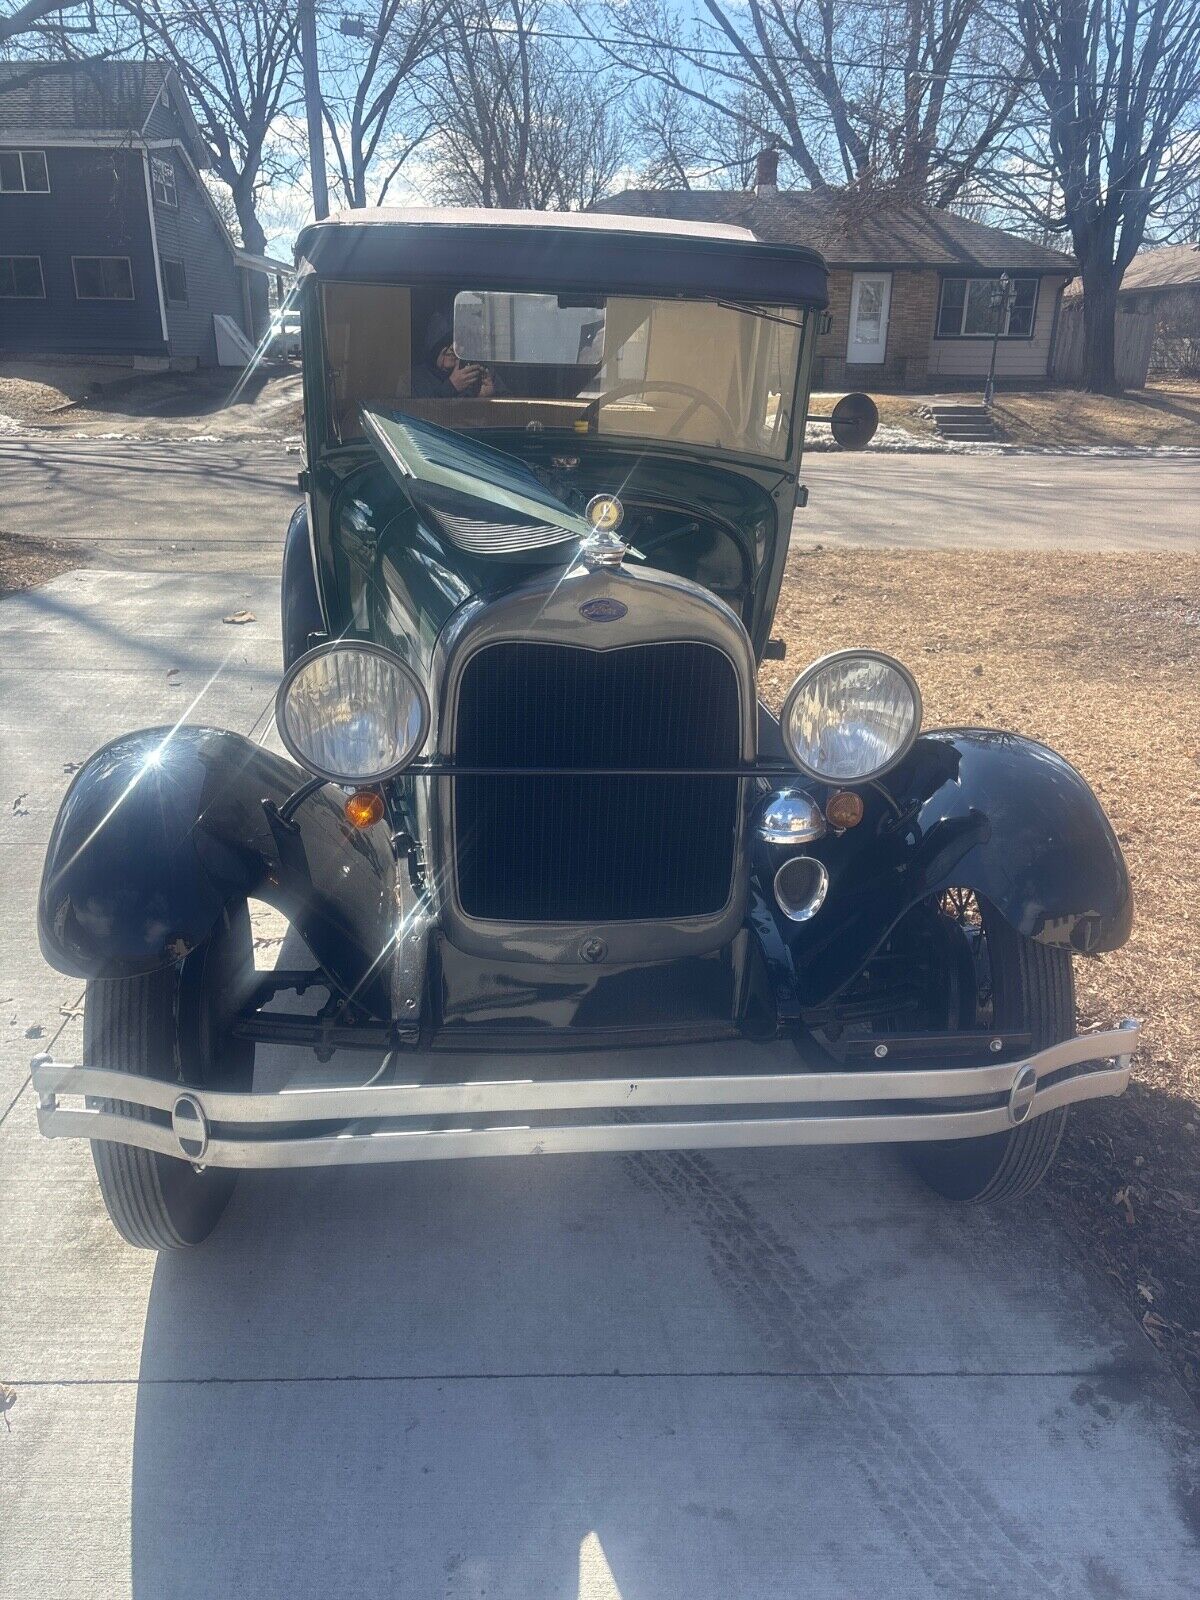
[{"x": 664, "y": 386}]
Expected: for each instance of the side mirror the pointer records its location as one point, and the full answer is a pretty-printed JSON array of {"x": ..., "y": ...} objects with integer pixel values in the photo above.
[{"x": 854, "y": 421}]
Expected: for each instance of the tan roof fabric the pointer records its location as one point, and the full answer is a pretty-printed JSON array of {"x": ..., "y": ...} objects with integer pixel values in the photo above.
[
  {"x": 872, "y": 230},
  {"x": 480, "y": 216}
]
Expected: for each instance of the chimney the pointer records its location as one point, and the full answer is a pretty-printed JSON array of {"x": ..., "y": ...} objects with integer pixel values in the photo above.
[{"x": 766, "y": 173}]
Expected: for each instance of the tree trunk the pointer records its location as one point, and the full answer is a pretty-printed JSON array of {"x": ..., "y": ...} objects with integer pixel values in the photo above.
[
  {"x": 1099, "y": 327},
  {"x": 253, "y": 237},
  {"x": 255, "y": 241}
]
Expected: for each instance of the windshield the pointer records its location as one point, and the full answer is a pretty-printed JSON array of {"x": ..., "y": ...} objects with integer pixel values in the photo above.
[{"x": 687, "y": 371}]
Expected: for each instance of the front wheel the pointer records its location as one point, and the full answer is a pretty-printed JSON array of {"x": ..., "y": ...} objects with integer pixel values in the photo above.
[
  {"x": 1028, "y": 988},
  {"x": 173, "y": 1024}
]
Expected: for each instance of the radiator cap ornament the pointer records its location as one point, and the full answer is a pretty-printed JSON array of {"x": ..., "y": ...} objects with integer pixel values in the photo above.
[
  {"x": 605, "y": 513},
  {"x": 602, "y": 547}
]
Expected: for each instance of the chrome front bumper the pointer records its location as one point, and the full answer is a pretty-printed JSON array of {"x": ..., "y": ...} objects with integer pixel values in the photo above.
[{"x": 400, "y": 1122}]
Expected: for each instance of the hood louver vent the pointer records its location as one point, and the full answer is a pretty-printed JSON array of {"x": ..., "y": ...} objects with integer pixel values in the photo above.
[
  {"x": 483, "y": 538},
  {"x": 485, "y": 502}
]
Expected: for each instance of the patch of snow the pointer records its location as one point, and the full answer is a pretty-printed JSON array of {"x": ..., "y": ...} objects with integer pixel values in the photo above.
[
  {"x": 10, "y": 424},
  {"x": 898, "y": 441},
  {"x": 819, "y": 437}
]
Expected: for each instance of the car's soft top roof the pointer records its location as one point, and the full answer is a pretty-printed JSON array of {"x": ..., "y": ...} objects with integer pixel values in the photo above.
[{"x": 559, "y": 250}]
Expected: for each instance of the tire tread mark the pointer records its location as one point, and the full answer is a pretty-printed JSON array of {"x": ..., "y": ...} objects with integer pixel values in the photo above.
[{"x": 957, "y": 1532}]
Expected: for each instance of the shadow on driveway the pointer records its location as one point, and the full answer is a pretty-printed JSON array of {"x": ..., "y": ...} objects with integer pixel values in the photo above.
[{"x": 756, "y": 1373}]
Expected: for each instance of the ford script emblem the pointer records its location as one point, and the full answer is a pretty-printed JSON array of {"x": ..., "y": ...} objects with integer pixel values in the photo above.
[{"x": 603, "y": 610}]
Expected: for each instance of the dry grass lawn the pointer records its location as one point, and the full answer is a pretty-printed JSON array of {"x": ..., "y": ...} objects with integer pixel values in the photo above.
[
  {"x": 75, "y": 398},
  {"x": 1163, "y": 413},
  {"x": 34, "y": 391},
  {"x": 26, "y": 562},
  {"x": 1098, "y": 658},
  {"x": 895, "y": 411}
]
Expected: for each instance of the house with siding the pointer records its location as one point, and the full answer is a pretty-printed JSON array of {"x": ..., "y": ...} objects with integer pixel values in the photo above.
[
  {"x": 911, "y": 288},
  {"x": 111, "y": 246},
  {"x": 1158, "y": 318}
]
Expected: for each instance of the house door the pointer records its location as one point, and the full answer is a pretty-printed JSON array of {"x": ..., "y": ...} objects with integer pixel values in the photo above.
[{"x": 870, "y": 301}]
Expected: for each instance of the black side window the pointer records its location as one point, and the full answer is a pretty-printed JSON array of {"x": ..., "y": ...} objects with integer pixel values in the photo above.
[
  {"x": 21, "y": 278},
  {"x": 175, "y": 281},
  {"x": 24, "y": 172},
  {"x": 103, "y": 278}
]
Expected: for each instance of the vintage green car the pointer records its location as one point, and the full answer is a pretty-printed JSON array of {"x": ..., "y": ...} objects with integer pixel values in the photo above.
[{"x": 562, "y": 876}]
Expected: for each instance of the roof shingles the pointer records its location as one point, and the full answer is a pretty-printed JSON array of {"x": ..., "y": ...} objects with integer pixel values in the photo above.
[
  {"x": 90, "y": 98},
  {"x": 867, "y": 230},
  {"x": 1168, "y": 268}
]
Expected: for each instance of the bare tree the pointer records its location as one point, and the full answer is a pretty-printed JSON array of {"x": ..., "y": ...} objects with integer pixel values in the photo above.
[
  {"x": 1119, "y": 81},
  {"x": 684, "y": 145},
  {"x": 517, "y": 120},
  {"x": 26, "y": 22},
  {"x": 851, "y": 91},
  {"x": 234, "y": 58},
  {"x": 372, "y": 118}
]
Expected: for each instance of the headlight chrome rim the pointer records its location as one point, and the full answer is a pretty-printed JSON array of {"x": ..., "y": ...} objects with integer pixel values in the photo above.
[
  {"x": 820, "y": 665},
  {"x": 363, "y": 647}
]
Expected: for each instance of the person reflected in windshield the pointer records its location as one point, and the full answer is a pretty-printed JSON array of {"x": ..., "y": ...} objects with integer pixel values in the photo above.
[{"x": 441, "y": 375}]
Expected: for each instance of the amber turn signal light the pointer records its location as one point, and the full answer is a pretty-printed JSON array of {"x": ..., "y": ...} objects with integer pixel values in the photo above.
[
  {"x": 364, "y": 808},
  {"x": 844, "y": 809}
]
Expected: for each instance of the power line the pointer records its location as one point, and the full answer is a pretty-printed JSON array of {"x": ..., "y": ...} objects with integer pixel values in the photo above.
[{"x": 716, "y": 52}]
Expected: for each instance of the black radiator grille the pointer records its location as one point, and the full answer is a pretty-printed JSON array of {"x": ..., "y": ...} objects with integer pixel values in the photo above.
[{"x": 596, "y": 849}]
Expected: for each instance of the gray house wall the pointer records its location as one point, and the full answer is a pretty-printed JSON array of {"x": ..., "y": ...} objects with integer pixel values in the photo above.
[
  {"x": 96, "y": 207},
  {"x": 191, "y": 233}
]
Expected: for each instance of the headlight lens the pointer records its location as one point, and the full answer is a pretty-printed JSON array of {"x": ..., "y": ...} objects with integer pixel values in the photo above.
[
  {"x": 352, "y": 713},
  {"x": 850, "y": 716}
]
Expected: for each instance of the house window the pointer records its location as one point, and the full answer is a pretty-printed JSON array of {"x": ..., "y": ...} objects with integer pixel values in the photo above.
[
  {"x": 162, "y": 181},
  {"x": 23, "y": 172},
  {"x": 102, "y": 278},
  {"x": 175, "y": 281},
  {"x": 21, "y": 278},
  {"x": 966, "y": 309}
]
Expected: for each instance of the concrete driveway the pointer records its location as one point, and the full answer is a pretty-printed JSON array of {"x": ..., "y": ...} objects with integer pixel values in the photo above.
[{"x": 770, "y": 1375}]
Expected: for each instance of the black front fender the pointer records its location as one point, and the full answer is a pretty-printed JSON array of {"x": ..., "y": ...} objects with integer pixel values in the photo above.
[
  {"x": 162, "y": 828},
  {"x": 976, "y": 809}
]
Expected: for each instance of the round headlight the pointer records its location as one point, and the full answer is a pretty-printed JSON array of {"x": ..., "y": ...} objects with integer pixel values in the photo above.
[
  {"x": 851, "y": 716},
  {"x": 352, "y": 713}
]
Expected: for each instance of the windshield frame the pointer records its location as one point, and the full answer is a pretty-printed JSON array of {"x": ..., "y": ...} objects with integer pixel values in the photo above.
[{"x": 322, "y": 409}]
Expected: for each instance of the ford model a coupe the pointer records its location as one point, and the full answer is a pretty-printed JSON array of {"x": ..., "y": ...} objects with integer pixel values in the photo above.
[{"x": 554, "y": 863}]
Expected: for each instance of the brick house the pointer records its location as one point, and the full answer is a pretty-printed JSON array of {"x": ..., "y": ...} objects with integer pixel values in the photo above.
[
  {"x": 911, "y": 288},
  {"x": 111, "y": 246}
]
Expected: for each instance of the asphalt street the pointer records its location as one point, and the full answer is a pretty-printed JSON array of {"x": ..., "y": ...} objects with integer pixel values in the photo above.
[
  {"x": 158, "y": 505},
  {"x": 665, "y": 1377}
]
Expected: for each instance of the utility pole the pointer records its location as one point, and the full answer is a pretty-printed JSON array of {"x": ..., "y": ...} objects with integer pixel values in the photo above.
[{"x": 312, "y": 107}]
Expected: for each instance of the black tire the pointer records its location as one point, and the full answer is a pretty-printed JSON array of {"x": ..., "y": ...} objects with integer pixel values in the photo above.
[
  {"x": 172, "y": 1024},
  {"x": 1033, "y": 991}
]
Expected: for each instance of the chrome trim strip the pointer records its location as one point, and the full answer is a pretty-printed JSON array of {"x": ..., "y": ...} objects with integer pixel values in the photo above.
[{"x": 807, "y": 1091}]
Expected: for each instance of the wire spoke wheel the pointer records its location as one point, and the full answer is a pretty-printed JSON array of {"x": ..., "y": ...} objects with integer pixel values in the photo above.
[{"x": 1020, "y": 986}]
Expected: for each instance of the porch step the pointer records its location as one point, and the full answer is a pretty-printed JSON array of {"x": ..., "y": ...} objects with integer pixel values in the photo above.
[{"x": 966, "y": 424}]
